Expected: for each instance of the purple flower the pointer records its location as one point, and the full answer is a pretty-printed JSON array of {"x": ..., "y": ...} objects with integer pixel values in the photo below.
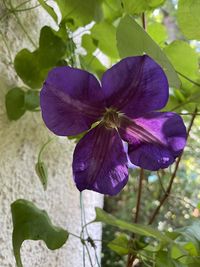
[{"x": 124, "y": 108}]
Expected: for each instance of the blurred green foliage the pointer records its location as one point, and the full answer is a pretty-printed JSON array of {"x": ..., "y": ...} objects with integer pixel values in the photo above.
[{"x": 114, "y": 29}]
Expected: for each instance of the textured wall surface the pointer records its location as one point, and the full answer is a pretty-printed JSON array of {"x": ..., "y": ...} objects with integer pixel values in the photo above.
[{"x": 20, "y": 143}]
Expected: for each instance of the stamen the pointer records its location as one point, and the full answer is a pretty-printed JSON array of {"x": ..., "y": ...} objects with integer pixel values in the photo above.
[{"x": 111, "y": 118}]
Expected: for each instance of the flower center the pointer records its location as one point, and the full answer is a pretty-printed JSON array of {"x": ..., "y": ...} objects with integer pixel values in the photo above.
[{"x": 111, "y": 118}]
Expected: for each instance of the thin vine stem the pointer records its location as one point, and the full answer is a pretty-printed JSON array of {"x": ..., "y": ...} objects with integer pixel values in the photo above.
[
  {"x": 168, "y": 190},
  {"x": 171, "y": 195},
  {"x": 44, "y": 147},
  {"x": 132, "y": 257},
  {"x": 141, "y": 178},
  {"x": 21, "y": 25},
  {"x": 86, "y": 229},
  {"x": 89, "y": 256},
  {"x": 8, "y": 49},
  {"x": 188, "y": 79},
  {"x": 82, "y": 225},
  {"x": 11, "y": 10}
]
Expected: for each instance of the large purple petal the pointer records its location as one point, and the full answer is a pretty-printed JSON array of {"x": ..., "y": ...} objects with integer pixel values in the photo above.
[
  {"x": 71, "y": 100},
  {"x": 100, "y": 162},
  {"x": 154, "y": 140},
  {"x": 136, "y": 85}
]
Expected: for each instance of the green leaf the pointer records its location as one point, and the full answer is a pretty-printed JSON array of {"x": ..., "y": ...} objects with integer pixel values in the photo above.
[
  {"x": 88, "y": 43},
  {"x": 32, "y": 223},
  {"x": 189, "y": 18},
  {"x": 105, "y": 33},
  {"x": 158, "y": 33},
  {"x": 32, "y": 67},
  {"x": 31, "y": 100},
  {"x": 163, "y": 260},
  {"x": 136, "y": 7},
  {"x": 102, "y": 216},
  {"x": 52, "y": 48},
  {"x": 120, "y": 244},
  {"x": 81, "y": 12},
  {"x": 139, "y": 42},
  {"x": 15, "y": 103},
  {"x": 112, "y": 10},
  {"x": 42, "y": 173},
  {"x": 92, "y": 64},
  {"x": 27, "y": 66},
  {"x": 49, "y": 9},
  {"x": 187, "y": 64},
  {"x": 191, "y": 231}
]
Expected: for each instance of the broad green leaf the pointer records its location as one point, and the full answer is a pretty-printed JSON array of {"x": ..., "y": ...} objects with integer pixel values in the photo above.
[
  {"x": 102, "y": 216},
  {"x": 105, "y": 33},
  {"x": 15, "y": 103},
  {"x": 81, "y": 12},
  {"x": 189, "y": 18},
  {"x": 32, "y": 67},
  {"x": 136, "y": 7},
  {"x": 191, "y": 231},
  {"x": 120, "y": 244},
  {"x": 31, "y": 223},
  {"x": 112, "y": 9},
  {"x": 42, "y": 173},
  {"x": 163, "y": 260},
  {"x": 187, "y": 64},
  {"x": 88, "y": 43},
  {"x": 132, "y": 40},
  {"x": 158, "y": 33},
  {"x": 92, "y": 64},
  {"x": 27, "y": 66},
  {"x": 31, "y": 100},
  {"x": 52, "y": 48},
  {"x": 49, "y": 9}
]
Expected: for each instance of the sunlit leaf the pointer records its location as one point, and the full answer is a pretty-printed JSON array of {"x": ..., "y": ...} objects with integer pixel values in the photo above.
[
  {"x": 80, "y": 12},
  {"x": 15, "y": 103},
  {"x": 29, "y": 222},
  {"x": 112, "y": 9},
  {"x": 158, "y": 33},
  {"x": 139, "y": 42},
  {"x": 88, "y": 43},
  {"x": 189, "y": 18},
  {"x": 105, "y": 33},
  {"x": 187, "y": 64},
  {"x": 136, "y": 7}
]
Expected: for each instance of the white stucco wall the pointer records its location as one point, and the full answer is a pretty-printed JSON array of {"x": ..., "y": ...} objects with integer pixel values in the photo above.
[{"x": 20, "y": 143}]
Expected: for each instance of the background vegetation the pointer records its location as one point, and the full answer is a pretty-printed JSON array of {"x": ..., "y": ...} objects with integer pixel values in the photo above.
[{"x": 168, "y": 31}]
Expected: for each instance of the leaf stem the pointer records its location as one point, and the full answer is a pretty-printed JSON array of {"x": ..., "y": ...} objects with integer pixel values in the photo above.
[
  {"x": 82, "y": 225},
  {"x": 43, "y": 148},
  {"x": 141, "y": 177},
  {"x": 13, "y": 10},
  {"x": 168, "y": 190},
  {"x": 8, "y": 49},
  {"x": 187, "y": 78},
  {"x": 144, "y": 21}
]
